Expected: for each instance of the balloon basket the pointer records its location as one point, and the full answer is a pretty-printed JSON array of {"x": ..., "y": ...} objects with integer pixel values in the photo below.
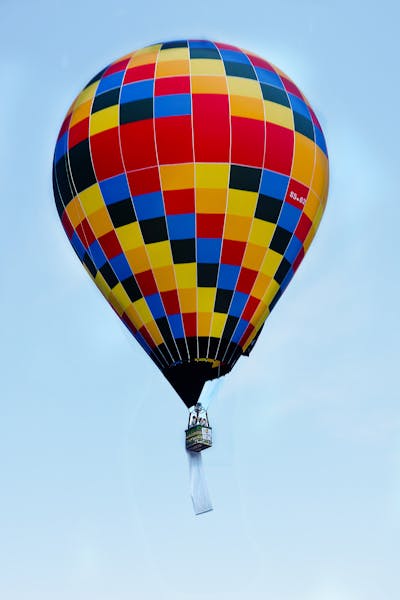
[{"x": 198, "y": 438}]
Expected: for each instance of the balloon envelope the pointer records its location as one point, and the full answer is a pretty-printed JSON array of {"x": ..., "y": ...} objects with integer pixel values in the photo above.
[{"x": 190, "y": 178}]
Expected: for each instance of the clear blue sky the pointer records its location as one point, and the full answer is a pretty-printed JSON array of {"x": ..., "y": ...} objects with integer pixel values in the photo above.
[{"x": 305, "y": 470}]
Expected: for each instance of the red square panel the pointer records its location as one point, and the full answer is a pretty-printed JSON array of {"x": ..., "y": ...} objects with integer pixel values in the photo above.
[
  {"x": 65, "y": 125},
  {"x": 118, "y": 66},
  {"x": 172, "y": 85},
  {"x": 246, "y": 280},
  {"x": 232, "y": 252},
  {"x": 106, "y": 154},
  {"x": 171, "y": 302},
  {"x": 143, "y": 331},
  {"x": 291, "y": 87},
  {"x": 174, "y": 140},
  {"x": 298, "y": 259},
  {"x": 248, "y": 137},
  {"x": 138, "y": 147},
  {"x": 190, "y": 324},
  {"x": 147, "y": 283},
  {"x": 296, "y": 194},
  {"x": 139, "y": 73},
  {"x": 110, "y": 244},
  {"x": 78, "y": 133},
  {"x": 279, "y": 148},
  {"x": 126, "y": 320},
  {"x": 69, "y": 230},
  {"x": 144, "y": 181},
  {"x": 249, "y": 330},
  {"x": 250, "y": 308},
  {"x": 303, "y": 227},
  {"x": 85, "y": 233},
  {"x": 256, "y": 61},
  {"x": 211, "y": 125},
  {"x": 209, "y": 226},
  {"x": 179, "y": 202}
]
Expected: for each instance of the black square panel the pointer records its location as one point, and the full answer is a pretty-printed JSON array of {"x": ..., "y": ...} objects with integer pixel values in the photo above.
[
  {"x": 268, "y": 209},
  {"x": 282, "y": 271},
  {"x": 109, "y": 275},
  {"x": 244, "y": 178},
  {"x": 207, "y": 274},
  {"x": 303, "y": 125},
  {"x": 138, "y": 110},
  {"x": 280, "y": 240},
  {"x": 183, "y": 251},
  {"x": 223, "y": 300},
  {"x": 274, "y": 94},
  {"x": 154, "y": 230},
  {"x": 105, "y": 100},
  {"x": 131, "y": 288},
  {"x": 210, "y": 53},
  {"x": 236, "y": 69},
  {"x": 89, "y": 264},
  {"x": 121, "y": 212},
  {"x": 81, "y": 166},
  {"x": 174, "y": 44}
]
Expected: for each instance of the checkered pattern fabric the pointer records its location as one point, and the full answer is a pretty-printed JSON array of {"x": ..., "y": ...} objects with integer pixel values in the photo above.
[{"x": 190, "y": 178}]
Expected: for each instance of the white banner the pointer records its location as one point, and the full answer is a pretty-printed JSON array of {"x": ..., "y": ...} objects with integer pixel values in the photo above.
[{"x": 198, "y": 485}]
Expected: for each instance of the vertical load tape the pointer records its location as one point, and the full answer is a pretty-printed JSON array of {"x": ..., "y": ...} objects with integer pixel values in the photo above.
[{"x": 198, "y": 485}]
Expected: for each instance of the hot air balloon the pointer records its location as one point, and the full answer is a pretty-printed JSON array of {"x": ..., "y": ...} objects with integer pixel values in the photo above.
[{"x": 190, "y": 178}]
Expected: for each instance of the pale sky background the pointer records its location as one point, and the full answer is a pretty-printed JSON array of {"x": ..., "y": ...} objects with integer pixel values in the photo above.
[{"x": 305, "y": 469}]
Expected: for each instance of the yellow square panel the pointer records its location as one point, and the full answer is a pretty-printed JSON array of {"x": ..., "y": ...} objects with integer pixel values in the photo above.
[
  {"x": 218, "y": 324},
  {"x": 86, "y": 94},
  {"x": 311, "y": 205},
  {"x": 91, "y": 199},
  {"x": 271, "y": 263},
  {"x": 207, "y": 66},
  {"x": 153, "y": 330},
  {"x": 144, "y": 56},
  {"x": 108, "y": 118},
  {"x": 137, "y": 259},
  {"x": 271, "y": 292},
  {"x": 260, "y": 286},
  {"x": 165, "y": 278},
  {"x": 303, "y": 159},
  {"x": 119, "y": 299},
  {"x": 253, "y": 256},
  {"x": 309, "y": 238},
  {"x": 186, "y": 275},
  {"x": 240, "y": 86},
  {"x": 251, "y": 108},
  {"x": 320, "y": 176},
  {"x": 202, "y": 84},
  {"x": 204, "y": 324},
  {"x": 177, "y": 177},
  {"x": 142, "y": 310},
  {"x": 173, "y": 68},
  {"x": 172, "y": 54},
  {"x": 133, "y": 316},
  {"x": 242, "y": 203},
  {"x": 261, "y": 232},
  {"x": 100, "y": 222},
  {"x": 212, "y": 175},
  {"x": 278, "y": 114},
  {"x": 188, "y": 300},
  {"x": 81, "y": 112},
  {"x": 237, "y": 228},
  {"x": 102, "y": 284},
  {"x": 258, "y": 314},
  {"x": 211, "y": 201},
  {"x": 130, "y": 236},
  {"x": 205, "y": 299},
  {"x": 159, "y": 254},
  {"x": 75, "y": 212}
]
